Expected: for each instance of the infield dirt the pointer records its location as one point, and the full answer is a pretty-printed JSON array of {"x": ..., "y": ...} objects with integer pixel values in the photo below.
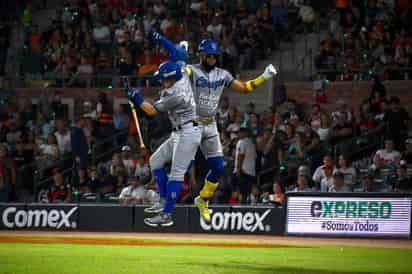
[{"x": 227, "y": 240}]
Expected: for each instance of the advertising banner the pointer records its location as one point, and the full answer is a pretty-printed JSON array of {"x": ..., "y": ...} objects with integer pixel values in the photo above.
[
  {"x": 239, "y": 219},
  {"x": 349, "y": 216},
  {"x": 38, "y": 217},
  {"x": 105, "y": 217}
]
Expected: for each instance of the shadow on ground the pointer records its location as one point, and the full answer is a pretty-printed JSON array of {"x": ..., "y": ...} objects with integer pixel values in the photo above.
[{"x": 269, "y": 269}]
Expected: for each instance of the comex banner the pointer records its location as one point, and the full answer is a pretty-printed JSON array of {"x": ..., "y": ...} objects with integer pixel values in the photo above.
[
  {"x": 49, "y": 217},
  {"x": 349, "y": 216}
]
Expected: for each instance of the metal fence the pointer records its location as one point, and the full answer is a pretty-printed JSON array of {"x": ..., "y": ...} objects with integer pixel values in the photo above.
[
  {"x": 106, "y": 81},
  {"x": 101, "y": 150}
]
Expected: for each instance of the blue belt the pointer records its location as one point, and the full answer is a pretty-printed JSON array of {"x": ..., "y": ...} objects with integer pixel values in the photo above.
[{"x": 179, "y": 127}]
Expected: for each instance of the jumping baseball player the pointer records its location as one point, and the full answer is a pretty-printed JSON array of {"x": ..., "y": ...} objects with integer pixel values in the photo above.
[
  {"x": 208, "y": 82},
  {"x": 180, "y": 148}
]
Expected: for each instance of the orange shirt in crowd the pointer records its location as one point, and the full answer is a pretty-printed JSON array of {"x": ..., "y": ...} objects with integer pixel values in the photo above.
[
  {"x": 342, "y": 4},
  {"x": 278, "y": 198},
  {"x": 55, "y": 40},
  {"x": 149, "y": 63},
  {"x": 34, "y": 42}
]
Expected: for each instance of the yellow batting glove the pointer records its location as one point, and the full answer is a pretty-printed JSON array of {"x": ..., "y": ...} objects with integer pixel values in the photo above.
[{"x": 270, "y": 72}]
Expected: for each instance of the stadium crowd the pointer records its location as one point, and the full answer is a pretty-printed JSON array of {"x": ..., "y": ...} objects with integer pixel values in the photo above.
[
  {"x": 285, "y": 148},
  {"x": 367, "y": 38},
  {"x": 109, "y": 38}
]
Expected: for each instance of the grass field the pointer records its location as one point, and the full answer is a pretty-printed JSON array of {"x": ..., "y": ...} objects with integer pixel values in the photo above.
[{"x": 57, "y": 258}]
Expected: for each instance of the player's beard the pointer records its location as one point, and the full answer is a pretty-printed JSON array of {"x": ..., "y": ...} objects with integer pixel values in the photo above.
[{"x": 208, "y": 67}]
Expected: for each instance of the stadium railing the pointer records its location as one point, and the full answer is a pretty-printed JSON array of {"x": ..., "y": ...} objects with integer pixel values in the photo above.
[
  {"x": 107, "y": 81},
  {"x": 99, "y": 151},
  {"x": 351, "y": 74}
]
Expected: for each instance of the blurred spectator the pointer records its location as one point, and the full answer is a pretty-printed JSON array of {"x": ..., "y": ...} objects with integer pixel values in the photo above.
[
  {"x": 23, "y": 159},
  {"x": 223, "y": 111},
  {"x": 347, "y": 170},
  {"x": 83, "y": 74},
  {"x": 342, "y": 127},
  {"x": 388, "y": 154},
  {"x": 254, "y": 196},
  {"x": 368, "y": 184},
  {"x": 245, "y": 169},
  {"x": 121, "y": 122},
  {"x": 35, "y": 39},
  {"x": 60, "y": 191},
  {"x": 102, "y": 34},
  {"x": 104, "y": 116},
  {"x": 107, "y": 174},
  {"x": 95, "y": 181},
  {"x": 339, "y": 183},
  {"x": 79, "y": 144},
  {"x": 319, "y": 173},
  {"x": 315, "y": 117},
  {"x": 278, "y": 196},
  {"x": 8, "y": 177},
  {"x": 302, "y": 184},
  {"x": 124, "y": 62},
  {"x": 189, "y": 183},
  {"x": 295, "y": 153},
  {"x": 215, "y": 27},
  {"x": 134, "y": 193},
  {"x": 327, "y": 182},
  {"x": 89, "y": 111},
  {"x": 56, "y": 107},
  {"x": 324, "y": 129},
  {"x": 81, "y": 184},
  {"x": 235, "y": 197},
  {"x": 63, "y": 137},
  {"x": 407, "y": 153},
  {"x": 128, "y": 161},
  {"x": 402, "y": 182},
  {"x": 365, "y": 121},
  {"x": 311, "y": 139},
  {"x": 397, "y": 120},
  {"x": 49, "y": 153}
]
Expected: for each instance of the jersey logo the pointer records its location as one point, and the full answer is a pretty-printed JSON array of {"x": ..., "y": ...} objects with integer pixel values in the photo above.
[{"x": 202, "y": 82}]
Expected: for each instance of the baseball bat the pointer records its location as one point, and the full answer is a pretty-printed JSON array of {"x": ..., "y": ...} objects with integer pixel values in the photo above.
[{"x": 135, "y": 117}]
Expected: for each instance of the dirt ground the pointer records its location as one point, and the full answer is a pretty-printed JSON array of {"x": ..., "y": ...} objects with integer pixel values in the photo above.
[{"x": 218, "y": 240}]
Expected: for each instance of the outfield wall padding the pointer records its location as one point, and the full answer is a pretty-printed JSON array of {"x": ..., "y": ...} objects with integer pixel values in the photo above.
[
  {"x": 308, "y": 214},
  {"x": 105, "y": 218},
  {"x": 109, "y": 217}
]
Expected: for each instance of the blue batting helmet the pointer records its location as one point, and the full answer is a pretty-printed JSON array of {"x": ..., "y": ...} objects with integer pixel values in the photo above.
[
  {"x": 209, "y": 46},
  {"x": 168, "y": 70}
]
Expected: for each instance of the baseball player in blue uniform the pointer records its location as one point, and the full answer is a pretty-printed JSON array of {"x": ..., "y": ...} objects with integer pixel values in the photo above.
[
  {"x": 180, "y": 148},
  {"x": 208, "y": 82}
]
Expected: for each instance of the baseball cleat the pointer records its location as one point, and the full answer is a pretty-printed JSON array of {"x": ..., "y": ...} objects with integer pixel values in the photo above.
[
  {"x": 156, "y": 207},
  {"x": 203, "y": 207},
  {"x": 162, "y": 219}
]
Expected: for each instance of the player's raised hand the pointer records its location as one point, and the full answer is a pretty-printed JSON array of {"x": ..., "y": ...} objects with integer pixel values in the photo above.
[{"x": 270, "y": 71}]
